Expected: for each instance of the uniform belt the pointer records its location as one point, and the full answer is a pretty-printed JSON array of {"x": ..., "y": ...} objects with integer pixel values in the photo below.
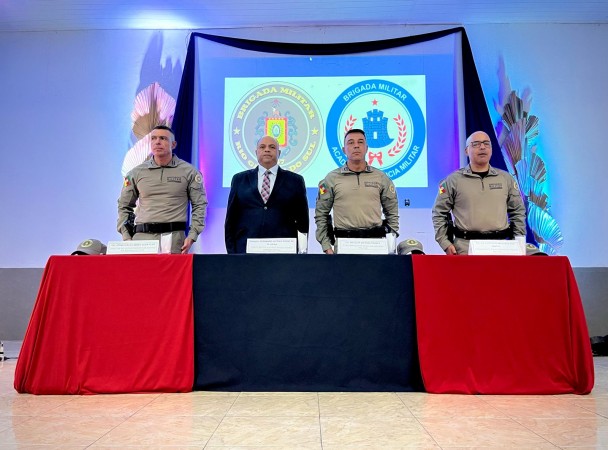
[
  {"x": 496, "y": 235},
  {"x": 160, "y": 227},
  {"x": 374, "y": 232}
]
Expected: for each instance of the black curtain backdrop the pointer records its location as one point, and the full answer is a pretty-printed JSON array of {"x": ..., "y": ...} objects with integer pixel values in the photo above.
[{"x": 477, "y": 116}]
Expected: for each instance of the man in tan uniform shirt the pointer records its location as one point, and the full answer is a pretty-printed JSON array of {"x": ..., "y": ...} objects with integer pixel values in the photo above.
[
  {"x": 485, "y": 201},
  {"x": 359, "y": 194},
  {"x": 164, "y": 185}
]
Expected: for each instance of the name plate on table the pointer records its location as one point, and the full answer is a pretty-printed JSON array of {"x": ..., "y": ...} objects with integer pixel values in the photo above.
[
  {"x": 144, "y": 247},
  {"x": 362, "y": 246},
  {"x": 494, "y": 247},
  {"x": 278, "y": 245}
]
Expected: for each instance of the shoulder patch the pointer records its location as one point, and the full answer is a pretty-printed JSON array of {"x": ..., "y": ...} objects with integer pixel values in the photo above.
[
  {"x": 198, "y": 178},
  {"x": 322, "y": 188},
  {"x": 443, "y": 187},
  {"x": 127, "y": 182},
  {"x": 515, "y": 184}
]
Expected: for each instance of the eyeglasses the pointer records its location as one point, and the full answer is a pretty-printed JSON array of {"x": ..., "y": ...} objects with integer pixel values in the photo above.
[{"x": 477, "y": 144}]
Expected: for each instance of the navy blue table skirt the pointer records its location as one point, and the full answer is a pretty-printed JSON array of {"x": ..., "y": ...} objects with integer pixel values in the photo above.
[{"x": 305, "y": 323}]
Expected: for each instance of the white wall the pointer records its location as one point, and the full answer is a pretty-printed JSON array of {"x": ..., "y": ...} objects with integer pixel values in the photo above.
[
  {"x": 566, "y": 67},
  {"x": 66, "y": 119},
  {"x": 67, "y": 99}
]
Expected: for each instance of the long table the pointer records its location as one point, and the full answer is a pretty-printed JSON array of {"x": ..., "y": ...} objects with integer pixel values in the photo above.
[{"x": 173, "y": 323}]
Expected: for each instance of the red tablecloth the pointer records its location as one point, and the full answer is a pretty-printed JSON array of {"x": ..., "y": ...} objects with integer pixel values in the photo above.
[
  {"x": 110, "y": 324},
  {"x": 501, "y": 325}
]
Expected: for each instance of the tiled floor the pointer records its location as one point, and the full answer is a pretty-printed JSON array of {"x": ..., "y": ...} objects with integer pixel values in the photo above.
[{"x": 302, "y": 420}]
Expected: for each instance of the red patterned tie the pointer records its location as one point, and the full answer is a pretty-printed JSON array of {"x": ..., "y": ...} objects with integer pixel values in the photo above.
[{"x": 266, "y": 186}]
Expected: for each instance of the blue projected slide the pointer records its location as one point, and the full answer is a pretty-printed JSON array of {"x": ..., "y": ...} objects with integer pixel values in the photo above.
[
  {"x": 309, "y": 115},
  {"x": 405, "y": 103}
]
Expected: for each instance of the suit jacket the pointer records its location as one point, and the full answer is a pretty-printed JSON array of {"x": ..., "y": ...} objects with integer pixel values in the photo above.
[{"x": 284, "y": 214}]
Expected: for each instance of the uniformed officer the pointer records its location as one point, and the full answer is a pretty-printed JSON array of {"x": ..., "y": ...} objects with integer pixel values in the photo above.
[
  {"x": 164, "y": 185},
  {"x": 485, "y": 201},
  {"x": 358, "y": 194}
]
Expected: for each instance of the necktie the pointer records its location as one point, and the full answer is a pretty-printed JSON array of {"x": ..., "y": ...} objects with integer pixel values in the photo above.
[{"x": 266, "y": 186}]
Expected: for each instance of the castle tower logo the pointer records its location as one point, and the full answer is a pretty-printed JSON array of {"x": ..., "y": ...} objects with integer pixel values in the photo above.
[
  {"x": 392, "y": 119},
  {"x": 283, "y": 111}
]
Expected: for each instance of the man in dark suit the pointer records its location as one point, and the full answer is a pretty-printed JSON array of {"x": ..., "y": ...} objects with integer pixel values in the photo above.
[{"x": 265, "y": 202}]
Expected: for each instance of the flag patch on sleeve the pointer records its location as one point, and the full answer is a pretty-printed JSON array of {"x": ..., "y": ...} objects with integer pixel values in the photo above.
[
  {"x": 127, "y": 183},
  {"x": 322, "y": 189},
  {"x": 442, "y": 188}
]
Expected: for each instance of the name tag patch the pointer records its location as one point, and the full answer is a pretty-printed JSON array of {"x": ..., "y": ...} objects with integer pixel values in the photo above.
[
  {"x": 174, "y": 179},
  {"x": 372, "y": 184},
  {"x": 495, "y": 185}
]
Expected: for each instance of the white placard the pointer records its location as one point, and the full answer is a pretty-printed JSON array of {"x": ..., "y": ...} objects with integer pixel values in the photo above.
[
  {"x": 166, "y": 242},
  {"x": 143, "y": 247},
  {"x": 521, "y": 240},
  {"x": 278, "y": 245},
  {"x": 362, "y": 246},
  {"x": 391, "y": 242},
  {"x": 302, "y": 243},
  {"x": 494, "y": 247}
]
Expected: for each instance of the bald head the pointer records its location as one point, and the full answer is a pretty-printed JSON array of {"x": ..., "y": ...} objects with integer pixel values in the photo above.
[
  {"x": 479, "y": 151},
  {"x": 267, "y": 152}
]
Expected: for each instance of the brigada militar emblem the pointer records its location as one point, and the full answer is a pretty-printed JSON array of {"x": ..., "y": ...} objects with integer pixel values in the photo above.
[
  {"x": 392, "y": 119},
  {"x": 283, "y": 111}
]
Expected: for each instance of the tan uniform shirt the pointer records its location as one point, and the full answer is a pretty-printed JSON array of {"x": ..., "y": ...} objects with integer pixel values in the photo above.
[
  {"x": 163, "y": 193},
  {"x": 478, "y": 204},
  {"x": 358, "y": 201}
]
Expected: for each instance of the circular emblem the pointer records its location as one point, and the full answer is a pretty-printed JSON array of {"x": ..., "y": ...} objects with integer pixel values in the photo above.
[
  {"x": 198, "y": 178},
  {"x": 412, "y": 242},
  {"x": 393, "y": 122},
  {"x": 285, "y": 112},
  {"x": 86, "y": 243}
]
